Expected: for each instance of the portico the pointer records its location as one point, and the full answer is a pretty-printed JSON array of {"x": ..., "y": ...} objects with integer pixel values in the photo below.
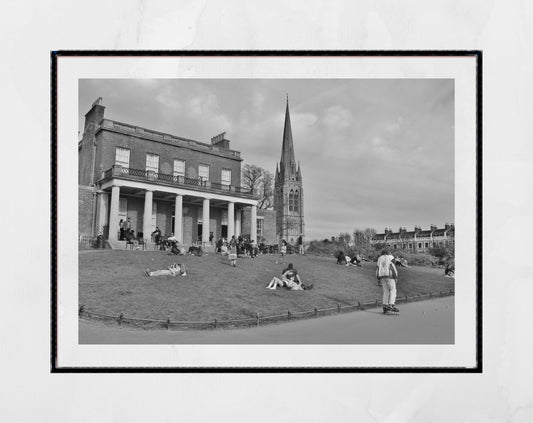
[{"x": 195, "y": 214}]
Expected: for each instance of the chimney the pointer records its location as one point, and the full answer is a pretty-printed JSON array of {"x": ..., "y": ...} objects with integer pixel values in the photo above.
[
  {"x": 417, "y": 229},
  {"x": 433, "y": 228},
  {"x": 220, "y": 141},
  {"x": 446, "y": 226},
  {"x": 94, "y": 116}
]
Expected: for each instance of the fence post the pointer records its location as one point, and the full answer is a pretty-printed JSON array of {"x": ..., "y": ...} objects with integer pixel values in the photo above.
[
  {"x": 168, "y": 323},
  {"x": 256, "y": 319},
  {"x": 338, "y": 308},
  {"x": 316, "y": 312},
  {"x": 288, "y": 315},
  {"x": 120, "y": 319}
]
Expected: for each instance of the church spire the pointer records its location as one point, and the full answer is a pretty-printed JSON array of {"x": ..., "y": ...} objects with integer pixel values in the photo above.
[{"x": 287, "y": 149}]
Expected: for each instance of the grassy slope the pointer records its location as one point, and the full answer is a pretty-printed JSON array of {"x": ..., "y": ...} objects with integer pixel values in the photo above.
[{"x": 112, "y": 282}]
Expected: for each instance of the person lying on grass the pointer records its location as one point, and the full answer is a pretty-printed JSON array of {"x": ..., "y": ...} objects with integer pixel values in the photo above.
[
  {"x": 290, "y": 280},
  {"x": 173, "y": 270}
]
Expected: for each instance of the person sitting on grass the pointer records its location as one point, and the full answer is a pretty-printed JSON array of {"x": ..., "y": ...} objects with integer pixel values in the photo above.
[
  {"x": 341, "y": 257},
  {"x": 289, "y": 279},
  {"x": 450, "y": 269},
  {"x": 172, "y": 270},
  {"x": 354, "y": 261}
]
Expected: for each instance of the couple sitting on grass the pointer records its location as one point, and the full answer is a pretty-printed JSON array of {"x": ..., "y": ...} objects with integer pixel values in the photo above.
[
  {"x": 173, "y": 270},
  {"x": 290, "y": 280}
]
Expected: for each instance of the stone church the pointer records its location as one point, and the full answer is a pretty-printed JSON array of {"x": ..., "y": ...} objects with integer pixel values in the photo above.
[{"x": 288, "y": 190}]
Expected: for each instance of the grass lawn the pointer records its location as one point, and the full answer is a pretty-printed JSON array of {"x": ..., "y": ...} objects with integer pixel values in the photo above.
[{"x": 113, "y": 282}]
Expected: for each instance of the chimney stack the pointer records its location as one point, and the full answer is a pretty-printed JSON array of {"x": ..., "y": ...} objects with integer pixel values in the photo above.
[{"x": 220, "y": 141}]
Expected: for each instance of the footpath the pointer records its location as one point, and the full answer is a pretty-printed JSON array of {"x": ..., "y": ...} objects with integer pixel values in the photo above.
[{"x": 422, "y": 322}]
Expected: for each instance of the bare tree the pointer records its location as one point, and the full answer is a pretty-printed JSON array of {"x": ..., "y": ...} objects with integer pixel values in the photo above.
[
  {"x": 261, "y": 181},
  {"x": 251, "y": 174},
  {"x": 266, "y": 190}
]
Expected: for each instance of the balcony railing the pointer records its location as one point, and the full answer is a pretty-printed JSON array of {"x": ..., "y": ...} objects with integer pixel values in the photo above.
[{"x": 177, "y": 180}]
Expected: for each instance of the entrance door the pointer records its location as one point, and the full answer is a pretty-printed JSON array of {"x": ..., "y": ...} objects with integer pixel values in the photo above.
[
  {"x": 199, "y": 233},
  {"x": 224, "y": 230}
]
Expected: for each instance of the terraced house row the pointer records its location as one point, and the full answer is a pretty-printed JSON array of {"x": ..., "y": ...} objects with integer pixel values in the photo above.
[{"x": 418, "y": 240}]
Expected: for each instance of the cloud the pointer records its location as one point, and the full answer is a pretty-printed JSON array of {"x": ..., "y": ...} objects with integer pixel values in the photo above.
[
  {"x": 394, "y": 126},
  {"x": 337, "y": 117}
]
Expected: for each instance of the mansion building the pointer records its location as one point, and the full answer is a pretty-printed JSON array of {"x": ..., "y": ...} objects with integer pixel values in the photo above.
[
  {"x": 417, "y": 241},
  {"x": 148, "y": 178}
]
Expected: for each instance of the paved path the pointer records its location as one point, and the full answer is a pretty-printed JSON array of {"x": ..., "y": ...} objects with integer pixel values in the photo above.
[{"x": 423, "y": 322}]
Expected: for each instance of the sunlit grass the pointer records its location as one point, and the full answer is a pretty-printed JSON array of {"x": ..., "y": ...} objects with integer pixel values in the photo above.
[{"x": 113, "y": 282}]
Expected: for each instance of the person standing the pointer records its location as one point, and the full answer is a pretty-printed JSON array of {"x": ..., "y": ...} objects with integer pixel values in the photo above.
[
  {"x": 301, "y": 245},
  {"x": 387, "y": 274}
]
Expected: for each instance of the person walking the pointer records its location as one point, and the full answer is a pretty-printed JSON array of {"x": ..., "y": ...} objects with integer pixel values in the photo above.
[
  {"x": 301, "y": 250},
  {"x": 387, "y": 274}
]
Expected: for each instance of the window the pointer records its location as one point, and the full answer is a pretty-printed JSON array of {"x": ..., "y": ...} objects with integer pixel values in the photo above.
[
  {"x": 122, "y": 157},
  {"x": 395, "y": 246},
  {"x": 291, "y": 200},
  {"x": 410, "y": 246},
  {"x": 203, "y": 172},
  {"x": 260, "y": 227},
  {"x": 225, "y": 177},
  {"x": 426, "y": 245},
  {"x": 152, "y": 162},
  {"x": 296, "y": 205},
  {"x": 419, "y": 245},
  {"x": 179, "y": 167}
]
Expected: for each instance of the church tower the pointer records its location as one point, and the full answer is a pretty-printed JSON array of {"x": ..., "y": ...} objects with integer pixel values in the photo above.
[{"x": 288, "y": 190}]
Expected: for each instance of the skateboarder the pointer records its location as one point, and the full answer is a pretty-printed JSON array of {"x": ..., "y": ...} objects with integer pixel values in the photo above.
[{"x": 387, "y": 274}]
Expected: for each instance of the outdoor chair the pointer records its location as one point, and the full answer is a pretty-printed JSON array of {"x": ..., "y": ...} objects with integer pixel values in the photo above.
[{"x": 129, "y": 243}]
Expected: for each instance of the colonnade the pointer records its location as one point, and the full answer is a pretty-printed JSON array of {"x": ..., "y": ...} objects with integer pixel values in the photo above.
[{"x": 234, "y": 217}]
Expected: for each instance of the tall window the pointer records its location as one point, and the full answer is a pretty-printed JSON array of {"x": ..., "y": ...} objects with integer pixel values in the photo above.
[
  {"x": 291, "y": 200},
  {"x": 296, "y": 205},
  {"x": 179, "y": 167},
  {"x": 260, "y": 227},
  {"x": 152, "y": 162},
  {"x": 203, "y": 172},
  {"x": 225, "y": 177},
  {"x": 122, "y": 157}
]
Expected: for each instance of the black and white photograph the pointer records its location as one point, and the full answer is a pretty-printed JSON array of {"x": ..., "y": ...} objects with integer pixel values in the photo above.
[
  {"x": 269, "y": 211},
  {"x": 211, "y": 204},
  {"x": 275, "y": 212}
]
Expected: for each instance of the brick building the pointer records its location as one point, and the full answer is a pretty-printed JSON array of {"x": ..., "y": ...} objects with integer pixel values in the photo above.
[
  {"x": 417, "y": 241},
  {"x": 183, "y": 186}
]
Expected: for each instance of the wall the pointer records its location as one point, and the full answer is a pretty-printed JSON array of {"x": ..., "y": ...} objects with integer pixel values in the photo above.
[
  {"x": 139, "y": 147},
  {"x": 86, "y": 205}
]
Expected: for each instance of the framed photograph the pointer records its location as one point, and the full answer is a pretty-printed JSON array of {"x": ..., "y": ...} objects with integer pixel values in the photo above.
[{"x": 266, "y": 211}]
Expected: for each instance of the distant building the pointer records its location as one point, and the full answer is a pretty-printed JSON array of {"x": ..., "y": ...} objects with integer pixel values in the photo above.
[
  {"x": 417, "y": 241},
  {"x": 148, "y": 178}
]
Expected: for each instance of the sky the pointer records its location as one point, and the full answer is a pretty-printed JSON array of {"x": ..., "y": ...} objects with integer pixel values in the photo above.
[{"x": 374, "y": 153}]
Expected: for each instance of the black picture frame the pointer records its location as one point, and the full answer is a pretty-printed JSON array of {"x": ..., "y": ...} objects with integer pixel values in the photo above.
[{"x": 55, "y": 55}]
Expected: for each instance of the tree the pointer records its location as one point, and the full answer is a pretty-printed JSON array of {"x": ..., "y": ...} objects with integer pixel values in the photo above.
[
  {"x": 266, "y": 190},
  {"x": 261, "y": 182}
]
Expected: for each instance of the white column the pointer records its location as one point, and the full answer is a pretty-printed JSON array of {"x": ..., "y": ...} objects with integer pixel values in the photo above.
[
  {"x": 178, "y": 218},
  {"x": 231, "y": 220},
  {"x": 237, "y": 223},
  {"x": 113, "y": 213},
  {"x": 253, "y": 224},
  {"x": 102, "y": 211},
  {"x": 205, "y": 224},
  {"x": 147, "y": 216}
]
